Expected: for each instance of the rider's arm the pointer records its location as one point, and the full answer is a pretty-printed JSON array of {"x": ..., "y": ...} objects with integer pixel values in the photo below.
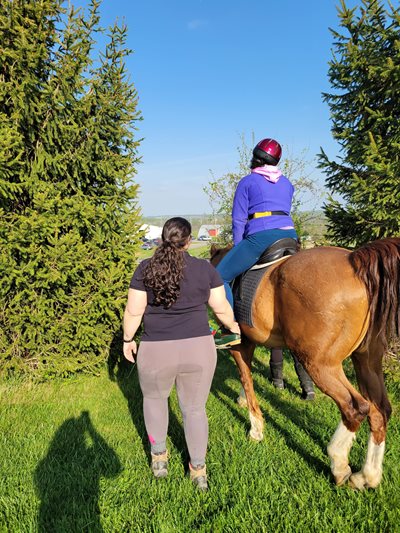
[{"x": 240, "y": 211}]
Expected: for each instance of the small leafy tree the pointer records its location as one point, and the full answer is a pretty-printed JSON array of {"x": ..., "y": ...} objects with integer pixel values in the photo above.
[
  {"x": 69, "y": 220},
  {"x": 364, "y": 103},
  {"x": 221, "y": 190}
]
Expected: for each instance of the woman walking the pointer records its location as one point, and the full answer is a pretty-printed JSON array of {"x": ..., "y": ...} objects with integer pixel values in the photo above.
[{"x": 170, "y": 291}]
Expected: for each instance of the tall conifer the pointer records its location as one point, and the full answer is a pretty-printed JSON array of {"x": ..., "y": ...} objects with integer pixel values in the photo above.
[
  {"x": 365, "y": 110},
  {"x": 68, "y": 203}
]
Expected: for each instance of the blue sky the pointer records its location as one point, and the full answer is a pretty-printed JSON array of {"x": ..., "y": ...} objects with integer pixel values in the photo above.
[{"x": 208, "y": 71}]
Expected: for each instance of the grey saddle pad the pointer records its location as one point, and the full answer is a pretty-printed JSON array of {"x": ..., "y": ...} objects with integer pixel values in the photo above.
[
  {"x": 245, "y": 285},
  {"x": 244, "y": 289}
]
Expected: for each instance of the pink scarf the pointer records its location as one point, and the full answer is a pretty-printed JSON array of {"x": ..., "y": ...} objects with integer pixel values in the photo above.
[{"x": 270, "y": 172}]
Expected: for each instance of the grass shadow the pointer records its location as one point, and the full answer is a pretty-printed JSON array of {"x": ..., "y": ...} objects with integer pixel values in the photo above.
[
  {"x": 220, "y": 389},
  {"x": 304, "y": 420},
  {"x": 67, "y": 479}
]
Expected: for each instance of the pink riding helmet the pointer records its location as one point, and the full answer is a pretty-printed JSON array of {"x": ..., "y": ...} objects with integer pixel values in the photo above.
[{"x": 268, "y": 150}]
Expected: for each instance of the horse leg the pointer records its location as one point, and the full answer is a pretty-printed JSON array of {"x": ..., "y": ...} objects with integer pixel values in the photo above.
[
  {"x": 241, "y": 399},
  {"x": 243, "y": 356},
  {"x": 353, "y": 408},
  {"x": 368, "y": 368},
  {"x": 338, "y": 451}
]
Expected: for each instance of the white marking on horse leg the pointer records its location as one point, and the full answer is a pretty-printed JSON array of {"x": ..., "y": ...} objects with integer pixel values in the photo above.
[
  {"x": 257, "y": 424},
  {"x": 371, "y": 473},
  {"x": 338, "y": 451},
  {"x": 242, "y": 400},
  {"x": 373, "y": 462}
]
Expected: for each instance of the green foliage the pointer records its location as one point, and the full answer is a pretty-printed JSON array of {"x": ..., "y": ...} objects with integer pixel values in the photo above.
[
  {"x": 306, "y": 191},
  {"x": 392, "y": 363},
  {"x": 221, "y": 190},
  {"x": 69, "y": 220},
  {"x": 364, "y": 103}
]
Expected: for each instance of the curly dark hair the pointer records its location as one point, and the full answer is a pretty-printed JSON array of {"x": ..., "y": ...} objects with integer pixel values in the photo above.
[{"x": 164, "y": 271}]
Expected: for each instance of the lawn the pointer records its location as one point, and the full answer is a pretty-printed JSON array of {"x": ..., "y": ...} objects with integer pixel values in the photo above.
[
  {"x": 197, "y": 249},
  {"x": 74, "y": 457}
]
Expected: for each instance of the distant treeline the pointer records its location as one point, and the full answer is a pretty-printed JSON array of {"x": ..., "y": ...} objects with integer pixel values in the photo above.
[{"x": 314, "y": 226}]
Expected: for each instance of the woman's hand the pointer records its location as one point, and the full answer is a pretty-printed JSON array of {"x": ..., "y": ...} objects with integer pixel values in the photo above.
[
  {"x": 130, "y": 350},
  {"x": 235, "y": 328}
]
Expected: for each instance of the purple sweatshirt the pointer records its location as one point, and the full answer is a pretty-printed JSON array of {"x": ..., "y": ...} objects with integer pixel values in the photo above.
[{"x": 255, "y": 194}]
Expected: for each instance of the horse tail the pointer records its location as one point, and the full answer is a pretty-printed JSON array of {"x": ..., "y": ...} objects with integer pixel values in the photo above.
[{"x": 377, "y": 265}]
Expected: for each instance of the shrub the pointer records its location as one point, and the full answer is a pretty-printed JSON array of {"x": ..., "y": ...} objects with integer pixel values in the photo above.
[{"x": 69, "y": 219}]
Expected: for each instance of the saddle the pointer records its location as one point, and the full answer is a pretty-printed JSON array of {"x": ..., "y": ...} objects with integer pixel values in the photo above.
[
  {"x": 277, "y": 250},
  {"x": 245, "y": 285}
]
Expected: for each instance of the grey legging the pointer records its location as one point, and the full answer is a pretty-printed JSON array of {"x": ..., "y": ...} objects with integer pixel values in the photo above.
[{"x": 190, "y": 365}]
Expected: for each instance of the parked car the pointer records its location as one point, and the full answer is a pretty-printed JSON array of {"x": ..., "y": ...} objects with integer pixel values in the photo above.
[
  {"x": 147, "y": 245},
  {"x": 204, "y": 238}
]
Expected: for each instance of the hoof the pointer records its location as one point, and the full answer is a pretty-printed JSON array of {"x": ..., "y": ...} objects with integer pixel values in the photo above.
[
  {"x": 340, "y": 479},
  {"x": 241, "y": 401},
  {"x": 255, "y": 436},
  {"x": 358, "y": 481}
]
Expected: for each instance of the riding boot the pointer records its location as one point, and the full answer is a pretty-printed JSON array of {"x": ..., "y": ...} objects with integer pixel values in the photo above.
[
  {"x": 307, "y": 385},
  {"x": 277, "y": 374}
]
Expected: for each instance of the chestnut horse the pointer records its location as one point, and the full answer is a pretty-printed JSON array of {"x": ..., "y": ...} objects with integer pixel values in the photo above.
[{"x": 326, "y": 304}]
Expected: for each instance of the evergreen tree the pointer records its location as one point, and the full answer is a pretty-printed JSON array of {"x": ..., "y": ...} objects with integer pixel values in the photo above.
[
  {"x": 69, "y": 217},
  {"x": 365, "y": 77}
]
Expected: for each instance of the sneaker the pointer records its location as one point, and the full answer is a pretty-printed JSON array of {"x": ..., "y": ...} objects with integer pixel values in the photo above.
[
  {"x": 198, "y": 475},
  {"x": 225, "y": 340},
  {"x": 159, "y": 464}
]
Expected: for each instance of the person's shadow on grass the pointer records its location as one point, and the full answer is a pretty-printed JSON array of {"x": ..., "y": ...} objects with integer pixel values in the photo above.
[{"x": 67, "y": 478}]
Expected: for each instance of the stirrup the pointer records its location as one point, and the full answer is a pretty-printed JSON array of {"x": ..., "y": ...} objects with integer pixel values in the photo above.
[
  {"x": 159, "y": 464},
  {"x": 224, "y": 339},
  {"x": 199, "y": 477}
]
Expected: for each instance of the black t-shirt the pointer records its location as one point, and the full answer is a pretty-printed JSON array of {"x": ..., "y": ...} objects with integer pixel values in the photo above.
[{"x": 187, "y": 317}]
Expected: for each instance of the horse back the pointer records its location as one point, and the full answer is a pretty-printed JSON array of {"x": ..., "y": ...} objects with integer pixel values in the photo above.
[{"x": 313, "y": 296}]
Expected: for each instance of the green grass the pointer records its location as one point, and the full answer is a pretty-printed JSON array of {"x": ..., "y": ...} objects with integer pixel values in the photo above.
[
  {"x": 200, "y": 251},
  {"x": 74, "y": 457}
]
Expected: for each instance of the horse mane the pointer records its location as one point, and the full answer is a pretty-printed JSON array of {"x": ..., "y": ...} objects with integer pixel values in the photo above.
[
  {"x": 217, "y": 254},
  {"x": 377, "y": 265}
]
